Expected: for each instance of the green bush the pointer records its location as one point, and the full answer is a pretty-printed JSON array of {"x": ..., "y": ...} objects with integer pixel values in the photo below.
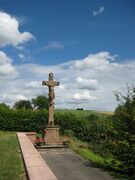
[
  {"x": 124, "y": 124},
  {"x": 23, "y": 104},
  {"x": 22, "y": 120},
  {"x": 69, "y": 133},
  {"x": 70, "y": 121}
]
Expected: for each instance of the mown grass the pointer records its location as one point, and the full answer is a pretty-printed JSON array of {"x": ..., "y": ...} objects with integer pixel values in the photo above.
[{"x": 11, "y": 165}]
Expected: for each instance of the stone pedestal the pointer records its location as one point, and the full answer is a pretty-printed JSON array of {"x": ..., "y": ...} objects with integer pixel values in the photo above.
[{"x": 52, "y": 136}]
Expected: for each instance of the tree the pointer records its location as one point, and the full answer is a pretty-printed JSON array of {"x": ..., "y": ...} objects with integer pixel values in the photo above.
[
  {"x": 124, "y": 122},
  {"x": 3, "y": 105},
  {"x": 23, "y": 104},
  {"x": 40, "y": 102}
]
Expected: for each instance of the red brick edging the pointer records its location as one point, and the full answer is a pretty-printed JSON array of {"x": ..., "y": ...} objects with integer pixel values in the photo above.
[{"x": 36, "y": 167}]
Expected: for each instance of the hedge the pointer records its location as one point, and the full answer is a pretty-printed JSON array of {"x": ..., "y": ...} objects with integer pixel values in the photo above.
[
  {"x": 22, "y": 120},
  {"x": 90, "y": 128}
]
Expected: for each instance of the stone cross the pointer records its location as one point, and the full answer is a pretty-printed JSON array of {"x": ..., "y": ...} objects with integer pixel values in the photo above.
[{"x": 51, "y": 84}]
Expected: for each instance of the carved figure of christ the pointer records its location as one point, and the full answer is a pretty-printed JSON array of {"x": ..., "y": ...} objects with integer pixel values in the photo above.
[{"x": 51, "y": 84}]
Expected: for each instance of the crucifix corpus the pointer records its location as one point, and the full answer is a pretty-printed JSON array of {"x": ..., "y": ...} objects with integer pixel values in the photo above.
[{"x": 51, "y": 84}]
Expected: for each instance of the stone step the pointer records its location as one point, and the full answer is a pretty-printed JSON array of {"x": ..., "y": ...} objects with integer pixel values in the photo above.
[{"x": 51, "y": 146}]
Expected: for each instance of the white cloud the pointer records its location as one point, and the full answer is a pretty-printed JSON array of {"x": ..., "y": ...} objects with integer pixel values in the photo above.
[
  {"x": 61, "y": 87},
  {"x": 39, "y": 69},
  {"x": 100, "y": 73},
  {"x": 9, "y": 31},
  {"x": 21, "y": 19},
  {"x": 54, "y": 45},
  {"x": 87, "y": 83},
  {"x": 21, "y": 56},
  {"x": 98, "y": 61},
  {"x": 99, "y": 11},
  {"x": 33, "y": 84},
  {"x": 20, "y": 48},
  {"x": 6, "y": 67},
  {"x": 20, "y": 97},
  {"x": 85, "y": 96},
  {"x": 7, "y": 98}
]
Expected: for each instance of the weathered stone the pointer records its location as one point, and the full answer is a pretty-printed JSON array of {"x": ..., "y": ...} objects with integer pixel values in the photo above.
[
  {"x": 51, "y": 84},
  {"x": 52, "y": 132},
  {"x": 52, "y": 136}
]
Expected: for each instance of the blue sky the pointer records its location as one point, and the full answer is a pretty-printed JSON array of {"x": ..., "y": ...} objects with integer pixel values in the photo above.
[
  {"x": 40, "y": 36},
  {"x": 72, "y": 24}
]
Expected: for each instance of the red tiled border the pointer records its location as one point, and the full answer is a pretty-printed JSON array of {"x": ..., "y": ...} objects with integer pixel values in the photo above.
[{"x": 36, "y": 167}]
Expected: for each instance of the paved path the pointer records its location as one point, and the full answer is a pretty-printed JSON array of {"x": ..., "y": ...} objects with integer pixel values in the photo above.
[{"x": 67, "y": 165}]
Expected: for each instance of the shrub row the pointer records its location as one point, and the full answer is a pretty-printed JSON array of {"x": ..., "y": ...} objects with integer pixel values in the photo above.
[
  {"x": 90, "y": 128},
  {"x": 22, "y": 120}
]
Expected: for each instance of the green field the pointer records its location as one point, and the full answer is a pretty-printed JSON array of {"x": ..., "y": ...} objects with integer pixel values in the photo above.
[
  {"x": 84, "y": 113},
  {"x": 11, "y": 165}
]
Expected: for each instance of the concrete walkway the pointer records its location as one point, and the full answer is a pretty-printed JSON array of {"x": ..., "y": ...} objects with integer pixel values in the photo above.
[{"x": 67, "y": 165}]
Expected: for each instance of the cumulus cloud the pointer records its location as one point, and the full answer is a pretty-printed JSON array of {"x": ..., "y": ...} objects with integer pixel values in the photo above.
[
  {"x": 9, "y": 31},
  {"x": 6, "y": 67},
  {"x": 20, "y": 97},
  {"x": 83, "y": 96},
  {"x": 41, "y": 70},
  {"x": 87, "y": 83},
  {"x": 7, "y": 98},
  {"x": 90, "y": 79},
  {"x": 33, "y": 84},
  {"x": 54, "y": 45},
  {"x": 99, "y": 11},
  {"x": 98, "y": 61}
]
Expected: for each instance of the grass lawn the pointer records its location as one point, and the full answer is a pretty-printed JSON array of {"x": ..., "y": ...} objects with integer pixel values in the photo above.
[{"x": 11, "y": 164}]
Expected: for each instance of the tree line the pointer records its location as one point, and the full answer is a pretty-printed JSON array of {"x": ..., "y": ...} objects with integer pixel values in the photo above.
[{"x": 39, "y": 102}]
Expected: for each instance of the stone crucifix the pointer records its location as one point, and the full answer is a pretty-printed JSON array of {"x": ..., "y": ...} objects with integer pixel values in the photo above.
[{"x": 51, "y": 84}]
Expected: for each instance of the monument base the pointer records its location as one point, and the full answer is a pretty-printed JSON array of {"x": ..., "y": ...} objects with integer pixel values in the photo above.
[{"x": 52, "y": 136}]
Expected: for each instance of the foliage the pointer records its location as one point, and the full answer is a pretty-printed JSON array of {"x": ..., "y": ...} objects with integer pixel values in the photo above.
[
  {"x": 84, "y": 113},
  {"x": 23, "y": 104},
  {"x": 22, "y": 120},
  {"x": 91, "y": 128},
  {"x": 124, "y": 124},
  {"x": 11, "y": 166},
  {"x": 40, "y": 102},
  {"x": 70, "y": 121},
  {"x": 82, "y": 149},
  {"x": 98, "y": 129},
  {"x": 3, "y": 105},
  {"x": 69, "y": 133}
]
